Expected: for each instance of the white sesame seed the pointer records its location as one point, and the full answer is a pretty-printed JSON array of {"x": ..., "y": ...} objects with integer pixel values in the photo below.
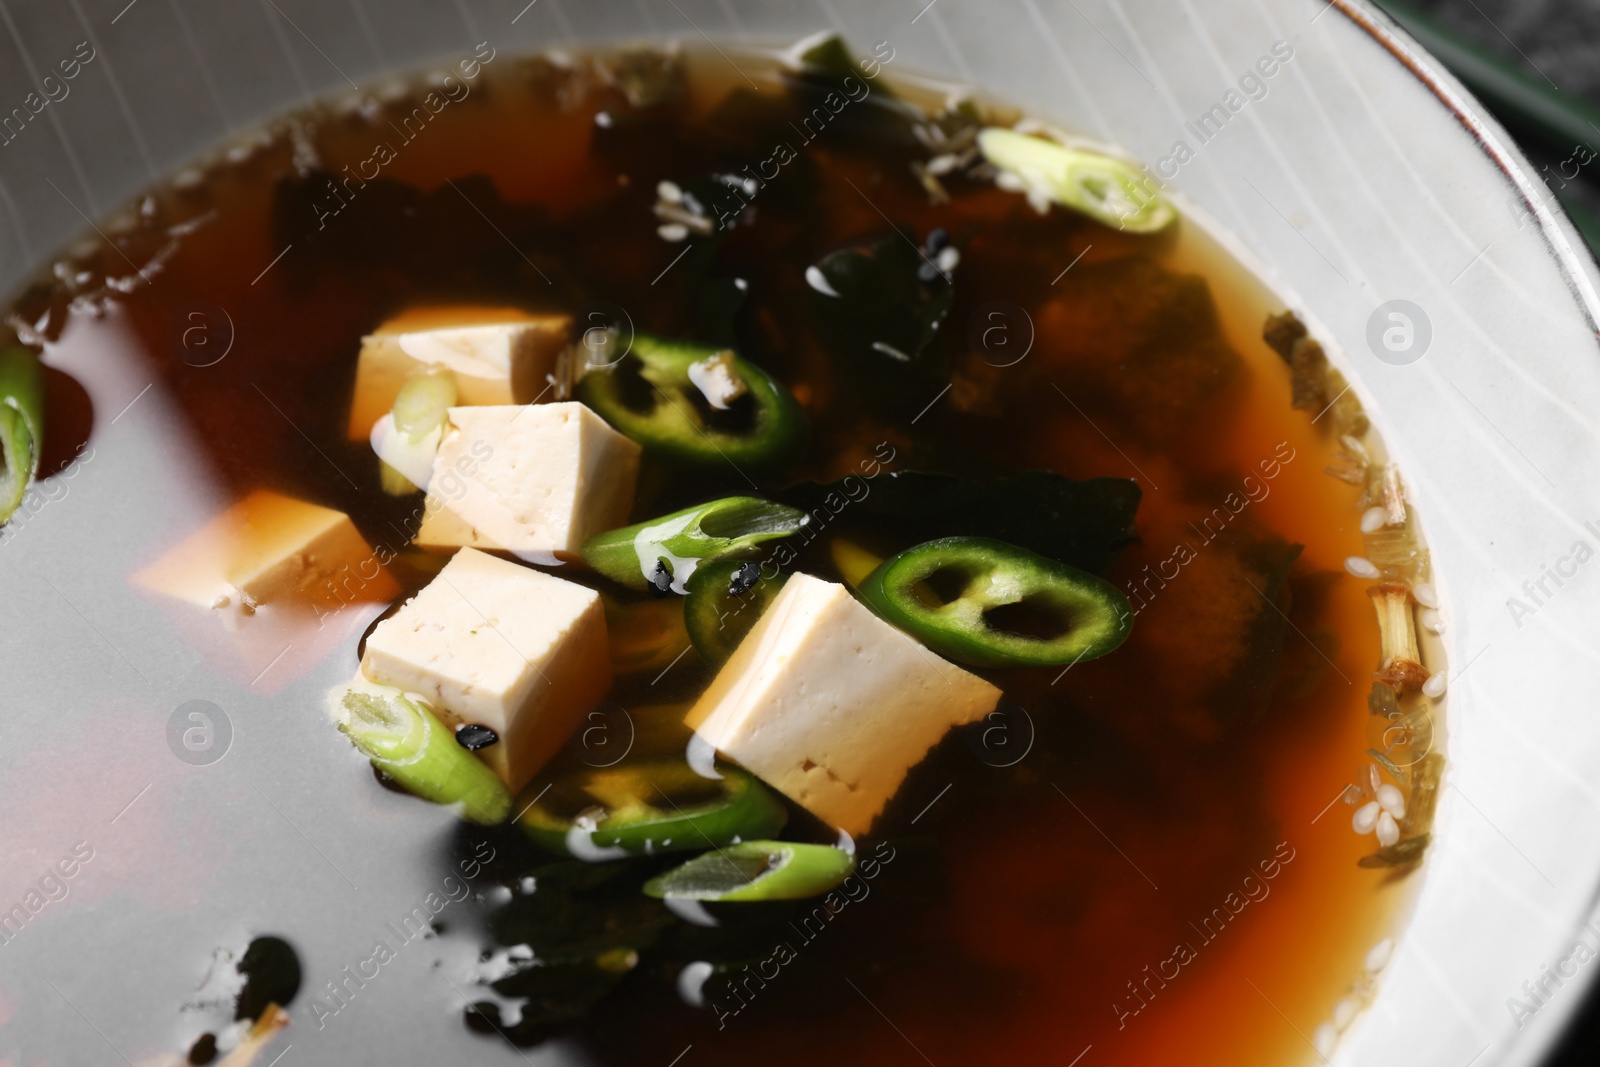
[
  {"x": 1324, "y": 1039},
  {"x": 1366, "y": 817},
  {"x": 1431, "y": 620},
  {"x": 1344, "y": 1012},
  {"x": 1434, "y": 686},
  {"x": 670, "y": 192},
  {"x": 1010, "y": 181},
  {"x": 602, "y": 119},
  {"x": 942, "y": 164},
  {"x": 1361, "y": 567},
  {"x": 672, "y": 231},
  {"x": 1039, "y": 199},
  {"x": 1391, "y": 800},
  {"x": 948, "y": 259},
  {"x": 1378, "y": 957},
  {"x": 1425, "y": 595},
  {"x": 819, "y": 281},
  {"x": 1372, "y": 520}
]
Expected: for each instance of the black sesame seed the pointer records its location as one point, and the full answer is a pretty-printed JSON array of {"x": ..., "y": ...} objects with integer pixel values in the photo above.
[
  {"x": 938, "y": 238},
  {"x": 927, "y": 273},
  {"x": 661, "y": 579},
  {"x": 744, "y": 579},
  {"x": 204, "y": 1050},
  {"x": 472, "y": 737}
]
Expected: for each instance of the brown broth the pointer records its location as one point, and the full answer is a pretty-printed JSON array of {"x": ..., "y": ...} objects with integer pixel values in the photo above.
[{"x": 1030, "y": 899}]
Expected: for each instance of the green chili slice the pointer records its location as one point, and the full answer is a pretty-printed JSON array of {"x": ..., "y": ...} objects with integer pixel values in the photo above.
[
  {"x": 987, "y": 603},
  {"x": 406, "y": 741},
  {"x": 643, "y": 808},
  {"x": 697, "y": 404},
  {"x": 756, "y": 870},
  {"x": 1107, "y": 189},
  {"x": 725, "y": 600},
  {"x": 663, "y": 553},
  {"x": 21, "y": 425}
]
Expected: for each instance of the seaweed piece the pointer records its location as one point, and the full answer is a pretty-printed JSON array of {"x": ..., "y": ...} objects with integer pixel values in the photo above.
[
  {"x": 1281, "y": 332},
  {"x": 1219, "y": 631},
  {"x": 1308, "y": 377},
  {"x": 1424, "y": 799},
  {"x": 833, "y": 91},
  {"x": 1248, "y": 688},
  {"x": 563, "y": 946},
  {"x": 462, "y": 237},
  {"x": 648, "y": 77},
  {"x": 1142, "y": 343},
  {"x": 270, "y": 968},
  {"x": 1396, "y": 772},
  {"x": 1384, "y": 700},
  {"x": 881, "y": 305},
  {"x": 580, "y": 910},
  {"x": 1083, "y": 524},
  {"x": 1405, "y": 853}
]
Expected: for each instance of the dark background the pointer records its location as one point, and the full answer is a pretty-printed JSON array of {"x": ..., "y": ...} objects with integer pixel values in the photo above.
[{"x": 1556, "y": 45}]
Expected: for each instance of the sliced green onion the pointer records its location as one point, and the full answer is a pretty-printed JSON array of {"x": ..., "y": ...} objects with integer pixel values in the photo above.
[
  {"x": 1405, "y": 853},
  {"x": 644, "y": 808},
  {"x": 424, "y": 402},
  {"x": 725, "y": 600},
  {"x": 1109, "y": 190},
  {"x": 406, "y": 741},
  {"x": 21, "y": 425},
  {"x": 987, "y": 603},
  {"x": 663, "y": 553},
  {"x": 756, "y": 870},
  {"x": 393, "y": 482}
]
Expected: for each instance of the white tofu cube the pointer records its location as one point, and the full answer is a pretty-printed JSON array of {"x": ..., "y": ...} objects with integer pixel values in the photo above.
[
  {"x": 269, "y": 547},
  {"x": 495, "y": 643},
  {"x": 498, "y": 356},
  {"x": 832, "y": 706},
  {"x": 536, "y": 480}
]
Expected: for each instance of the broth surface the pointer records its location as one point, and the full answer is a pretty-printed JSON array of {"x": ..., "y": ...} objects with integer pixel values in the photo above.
[{"x": 1093, "y": 879}]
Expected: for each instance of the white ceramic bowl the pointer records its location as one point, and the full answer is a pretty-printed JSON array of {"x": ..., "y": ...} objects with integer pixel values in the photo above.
[{"x": 1363, "y": 175}]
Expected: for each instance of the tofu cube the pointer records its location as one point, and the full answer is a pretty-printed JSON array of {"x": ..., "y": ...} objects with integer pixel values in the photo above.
[
  {"x": 536, "y": 480},
  {"x": 495, "y": 643},
  {"x": 832, "y": 706},
  {"x": 271, "y": 548},
  {"x": 498, "y": 356}
]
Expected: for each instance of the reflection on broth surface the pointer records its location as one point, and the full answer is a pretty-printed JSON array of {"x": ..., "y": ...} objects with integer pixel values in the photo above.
[{"x": 1132, "y": 853}]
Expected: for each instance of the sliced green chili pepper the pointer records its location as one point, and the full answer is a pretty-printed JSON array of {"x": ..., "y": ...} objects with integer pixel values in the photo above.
[
  {"x": 756, "y": 870},
  {"x": 696, "y": 403},
  {"x": 21, "y": 425},
  {"x": 663, "y": 553},
  {"x": 405, "y": 740},
  {"x": 644, "y": 808},
  {"x": 1109, "y": 190},
  {"x": 991, "y": 604},
  {"x": 725, "y": 600}
]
